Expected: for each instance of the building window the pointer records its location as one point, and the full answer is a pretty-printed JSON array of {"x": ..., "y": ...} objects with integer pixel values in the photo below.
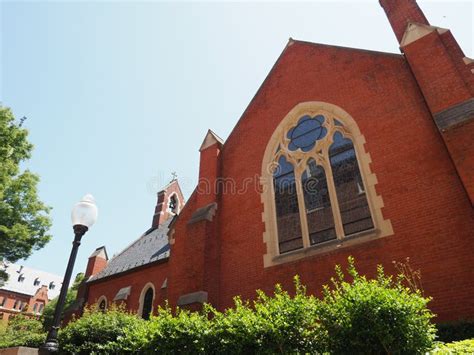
[
  {"x": 146, "y": 300},
  {"x": 2, "y": 301},
  {"x": 35, "y": 307},
  {"x": 16, "y": 304},
  {"x": 21, "y": 278},
  {"x": 147, "y": 303},
  {"x": 36, "y": 282},
  {"x": 52, "y": 285},
  {"x": 319, "y": 189},
  {"x": 40, "y": 310},
  {"x": 102, "y": 302}
]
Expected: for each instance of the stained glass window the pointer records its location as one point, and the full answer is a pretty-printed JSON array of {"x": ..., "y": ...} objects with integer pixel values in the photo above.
[
  {"x": 317, "y": 169},
  {"x": 287, "y": 210},
  {"x": 353, "y": 205},
  {"x": 317, "y": 204},
  {"x": 305, "y": 134}
]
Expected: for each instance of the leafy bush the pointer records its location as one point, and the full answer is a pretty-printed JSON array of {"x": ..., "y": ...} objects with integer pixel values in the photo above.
[
  {"x": 277, "y": 324},
  {"x": 449, "y": 332},
  {"x": 358, "y": 317},
  {"x": 185, "y": 332},
  {"x": 458, "y": 347},
  {"x": 22, "y": 331},
  {"x": 99, "y": 332},
  {"x": 375, "y": 316}
]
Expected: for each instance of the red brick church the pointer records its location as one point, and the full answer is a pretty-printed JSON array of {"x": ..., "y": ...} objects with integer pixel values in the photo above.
[{"x": 341, "y": 152}]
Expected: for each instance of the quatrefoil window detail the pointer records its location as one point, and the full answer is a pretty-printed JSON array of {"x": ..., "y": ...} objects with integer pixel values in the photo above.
[{"x": 306, "y": 133}]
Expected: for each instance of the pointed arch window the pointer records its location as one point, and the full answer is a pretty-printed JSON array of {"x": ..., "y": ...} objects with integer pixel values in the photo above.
[
  {"x": 146, "y": 300},
  {"x": 102, "y": 303},
  {"x": 147, "y": 303},
  {"x": 320, "y": 195}
]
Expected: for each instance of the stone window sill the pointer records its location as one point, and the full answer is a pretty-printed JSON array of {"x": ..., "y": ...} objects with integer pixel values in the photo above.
[{"x": 327, "y": 247}]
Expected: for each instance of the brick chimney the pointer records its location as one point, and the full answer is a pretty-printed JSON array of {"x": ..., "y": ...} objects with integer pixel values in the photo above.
[
  {"x": 169, "y": 202},
  {"x": 97, "y": 262}
]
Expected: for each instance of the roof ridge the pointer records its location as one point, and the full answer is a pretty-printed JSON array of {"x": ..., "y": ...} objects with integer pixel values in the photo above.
[{"x": 349, "y": 48}]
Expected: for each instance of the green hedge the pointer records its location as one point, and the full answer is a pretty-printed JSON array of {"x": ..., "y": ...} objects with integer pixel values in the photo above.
[
  {"x": 449, "y": 332},
  {"x": 375, "y": 316},
  {"x": 99, "y": 332},
  {"x": 356, "y": 315},
  {"x": 457, "y": 347}
]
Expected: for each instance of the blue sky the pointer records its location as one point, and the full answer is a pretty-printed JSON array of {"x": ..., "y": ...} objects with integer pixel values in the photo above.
[{"x": 118, "y": 95}]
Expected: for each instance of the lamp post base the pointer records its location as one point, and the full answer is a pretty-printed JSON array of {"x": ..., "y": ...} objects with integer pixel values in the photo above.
[{"x": 50, "y": 347}]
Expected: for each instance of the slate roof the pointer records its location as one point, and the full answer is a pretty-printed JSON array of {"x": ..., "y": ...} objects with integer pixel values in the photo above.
[
  {"x": 150, "y": 247},
  {"x": 21, "y": 279}
]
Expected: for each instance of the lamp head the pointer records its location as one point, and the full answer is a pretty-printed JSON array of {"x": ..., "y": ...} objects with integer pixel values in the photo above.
[{"x": 84, "y": 212}]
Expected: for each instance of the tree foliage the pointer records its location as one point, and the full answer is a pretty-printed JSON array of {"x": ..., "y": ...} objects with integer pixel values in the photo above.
[
  {"x": 48, "y": 313},
  {"x": 24, "y": 219},
  {"x": 22, "y": 331}
]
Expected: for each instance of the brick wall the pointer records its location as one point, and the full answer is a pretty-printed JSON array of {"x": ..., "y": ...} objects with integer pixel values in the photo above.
[{"x": 154, "y": 273}]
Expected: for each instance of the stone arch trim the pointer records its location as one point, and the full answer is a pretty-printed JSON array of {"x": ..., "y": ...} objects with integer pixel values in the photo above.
[
  {"x": 102, "y": 298},
  {"x": 382, "y": 227}
]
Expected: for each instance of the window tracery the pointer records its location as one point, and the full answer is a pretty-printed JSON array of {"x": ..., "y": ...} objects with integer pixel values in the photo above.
[{"x": 320, "y": 189}]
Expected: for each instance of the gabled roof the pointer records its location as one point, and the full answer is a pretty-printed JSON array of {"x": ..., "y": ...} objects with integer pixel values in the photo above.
[
  {"x": 292, "y": 43},
  {"x": 150, "y": 247},
  {"x": 100, "y": 252},
  {"x": 210, "y": 139},
  {"x": 21, "y": 279}
]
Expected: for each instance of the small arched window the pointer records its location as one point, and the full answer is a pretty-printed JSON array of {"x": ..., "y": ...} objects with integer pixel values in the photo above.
[
  {"x": 322, "y": 190},
  {"x": 35, "y": 307},
  {"x": 102, "y": 305},
  {"x": 147, "y": 303},
  {"x": 41, "y": 307}
]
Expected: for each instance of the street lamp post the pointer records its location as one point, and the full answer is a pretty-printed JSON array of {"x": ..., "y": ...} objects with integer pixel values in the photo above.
[{"x": 84, "y": 215}]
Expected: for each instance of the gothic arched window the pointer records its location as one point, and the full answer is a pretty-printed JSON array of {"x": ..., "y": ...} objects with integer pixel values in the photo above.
[
  {"x": 322, "y": 191},
  {"x": 147, "y": 303},
  {"x": 102, "y": 302}
]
